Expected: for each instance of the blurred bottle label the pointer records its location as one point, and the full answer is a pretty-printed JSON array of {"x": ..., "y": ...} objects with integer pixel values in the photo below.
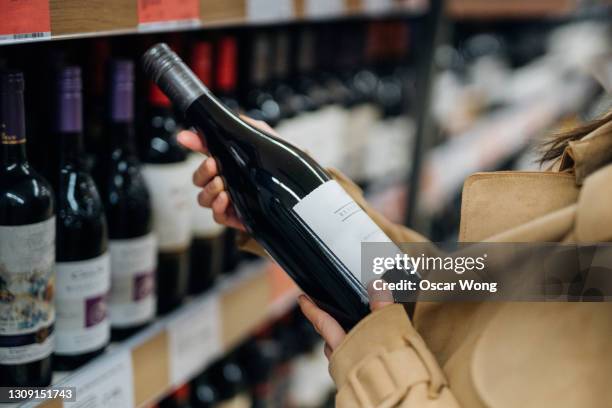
[
  {"x": 27, "y": 256},
  {"x": 133, "y": 264},
  {"x": 82, "y": 305},
  {"x": 169, "y": 185}
]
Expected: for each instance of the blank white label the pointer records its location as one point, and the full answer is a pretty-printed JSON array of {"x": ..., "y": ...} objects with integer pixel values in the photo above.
[
  {"x": 377, "y": 6},
  {"x": 324, "y": 8},
  {"x": 108, "y": 383},
  {"x": 169, "y": 185},
  {"x": 340, "y": 223},
  {"x": 194, "y": 339},
  {"x": 267, "y": 10}
]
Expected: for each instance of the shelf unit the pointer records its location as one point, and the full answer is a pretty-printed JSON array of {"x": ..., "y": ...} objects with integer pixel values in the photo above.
[
  {"x": 145, "y": 368},
  {"x": 170, "y": 352},
  {"x": 42, "y": 20},
  {"x": 497, "y": 9}
]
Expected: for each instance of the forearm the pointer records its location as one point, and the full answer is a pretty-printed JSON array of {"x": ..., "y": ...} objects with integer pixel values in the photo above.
[{"x": 383, "y": 362}]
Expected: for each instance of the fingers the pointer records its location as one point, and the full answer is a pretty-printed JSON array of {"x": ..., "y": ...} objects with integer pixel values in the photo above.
[
  {"x": 324, "y": 324},
  {"x": 379, "y": 298},
  {"x": 192, "y": 141},
  {"x": 210, "y": 192},
  {"x": 206, "y": 172},
  {"x": 328, "y": 351},
  {"x": 224, "y": 214},
  {"x": 259, "y": 124}
]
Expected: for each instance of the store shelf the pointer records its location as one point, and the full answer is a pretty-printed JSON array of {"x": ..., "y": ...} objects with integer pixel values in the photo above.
[
  {"x": 498, "y": 9},
  {"x": 146, "y": 367},
  {"x": 43, "y": 20}
]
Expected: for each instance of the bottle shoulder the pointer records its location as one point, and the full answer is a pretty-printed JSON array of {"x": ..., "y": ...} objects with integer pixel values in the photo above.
[
  {"x": 78, "y": 194},
  {"x": 25, "y": 196},
  {"x": 164, "y": 149}
]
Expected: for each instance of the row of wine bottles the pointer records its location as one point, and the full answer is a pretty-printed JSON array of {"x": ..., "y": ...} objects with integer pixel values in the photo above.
[
  {"x": 282, "y": 365},
  {"x": 79, "y": 257},
  {"x": 109, "y": 241}
]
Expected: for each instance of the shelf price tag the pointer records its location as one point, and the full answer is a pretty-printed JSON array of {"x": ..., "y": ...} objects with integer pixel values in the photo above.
[
  {"x": 107, "y": 383},
  {"x": 377, "y": 6},
  {"x": 324, "y": 8},
  {"x": 194, "y": 339},
  {"x": 269, "y": 10},
  {"x": 168, "y": 14},
  {"x": 24, "y": 20}
]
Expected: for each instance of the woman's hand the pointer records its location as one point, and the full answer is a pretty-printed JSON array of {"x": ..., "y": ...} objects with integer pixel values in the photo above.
[
  {"x": 328, "y": 327},
  {"x": 214, "y": 194}
]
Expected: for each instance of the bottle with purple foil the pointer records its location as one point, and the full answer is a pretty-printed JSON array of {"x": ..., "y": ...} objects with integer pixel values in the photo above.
[
  {"x": 129, "y": 213},
  {"x": 27, "y": 251},
  {"x": 83, "y": 261},
  {"x": 168, "y": 175}
]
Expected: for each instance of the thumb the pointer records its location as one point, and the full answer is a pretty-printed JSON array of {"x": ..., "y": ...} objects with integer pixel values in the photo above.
[{"x": 379, "y": 298}]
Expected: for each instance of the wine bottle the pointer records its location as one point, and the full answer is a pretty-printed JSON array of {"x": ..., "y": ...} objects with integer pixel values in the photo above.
[
  {"x": 226, "y": 71},
  {"x": 167, "y": 175},
  {"x": 259, "y": 357},
  {"x": 203, "y": 393},
  {"x": 389, "y": 139},
  {"x": 226, "y": 84},
  {"x": 208, "y": 240},
  {"x": 129, "y": 212},
  {"x": 362, "y": 83},
  {"x": 260, "y": 103},
  {"x": 286, "y": 200},
  {"x": 83, "y": 262},
  {"x": 227, "y": 377},
  {"x": 27, "y": 251}
]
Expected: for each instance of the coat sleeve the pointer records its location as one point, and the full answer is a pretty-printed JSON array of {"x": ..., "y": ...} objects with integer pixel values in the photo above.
[{"x": 383, "y": 362}]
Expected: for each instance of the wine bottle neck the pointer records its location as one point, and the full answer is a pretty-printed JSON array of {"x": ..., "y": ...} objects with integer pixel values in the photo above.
[
  {"x": 122, "y": 137},
  {"x": 71, "y": 148},
  {"x": 14, "y": 155},
  {"x": 12, "y": 128},
  {"x": 69, "y": 120}
]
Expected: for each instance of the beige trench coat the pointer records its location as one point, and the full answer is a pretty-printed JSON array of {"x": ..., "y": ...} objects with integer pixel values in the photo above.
[{"x": 500, "y": 355}]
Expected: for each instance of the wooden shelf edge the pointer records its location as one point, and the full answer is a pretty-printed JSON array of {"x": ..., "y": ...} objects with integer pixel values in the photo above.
[{"x": 245, "y": 298}]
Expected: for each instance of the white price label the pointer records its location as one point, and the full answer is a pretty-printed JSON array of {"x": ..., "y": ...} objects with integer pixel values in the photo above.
[
  {"x": 106, "y": 383},
  {"x": 269, "y": 10},
  {"x": 377, "y": 6},
  {"x": 324, "y": 8},
  {"x": 194, "y": 339}
]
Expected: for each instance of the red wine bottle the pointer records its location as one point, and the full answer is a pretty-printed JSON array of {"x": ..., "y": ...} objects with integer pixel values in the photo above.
[
  {"x": 226, "y": 84},
  {"x": 208, "y": 239},
  {"x": 260, "y": 102},
  {"x": 129, "y": 212},
  {"x": 286, "y": 200},
  {"x": 27, "y": 251},
  {"x": 167, "y": 175},
  {"x": 83, "y": 262}
]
